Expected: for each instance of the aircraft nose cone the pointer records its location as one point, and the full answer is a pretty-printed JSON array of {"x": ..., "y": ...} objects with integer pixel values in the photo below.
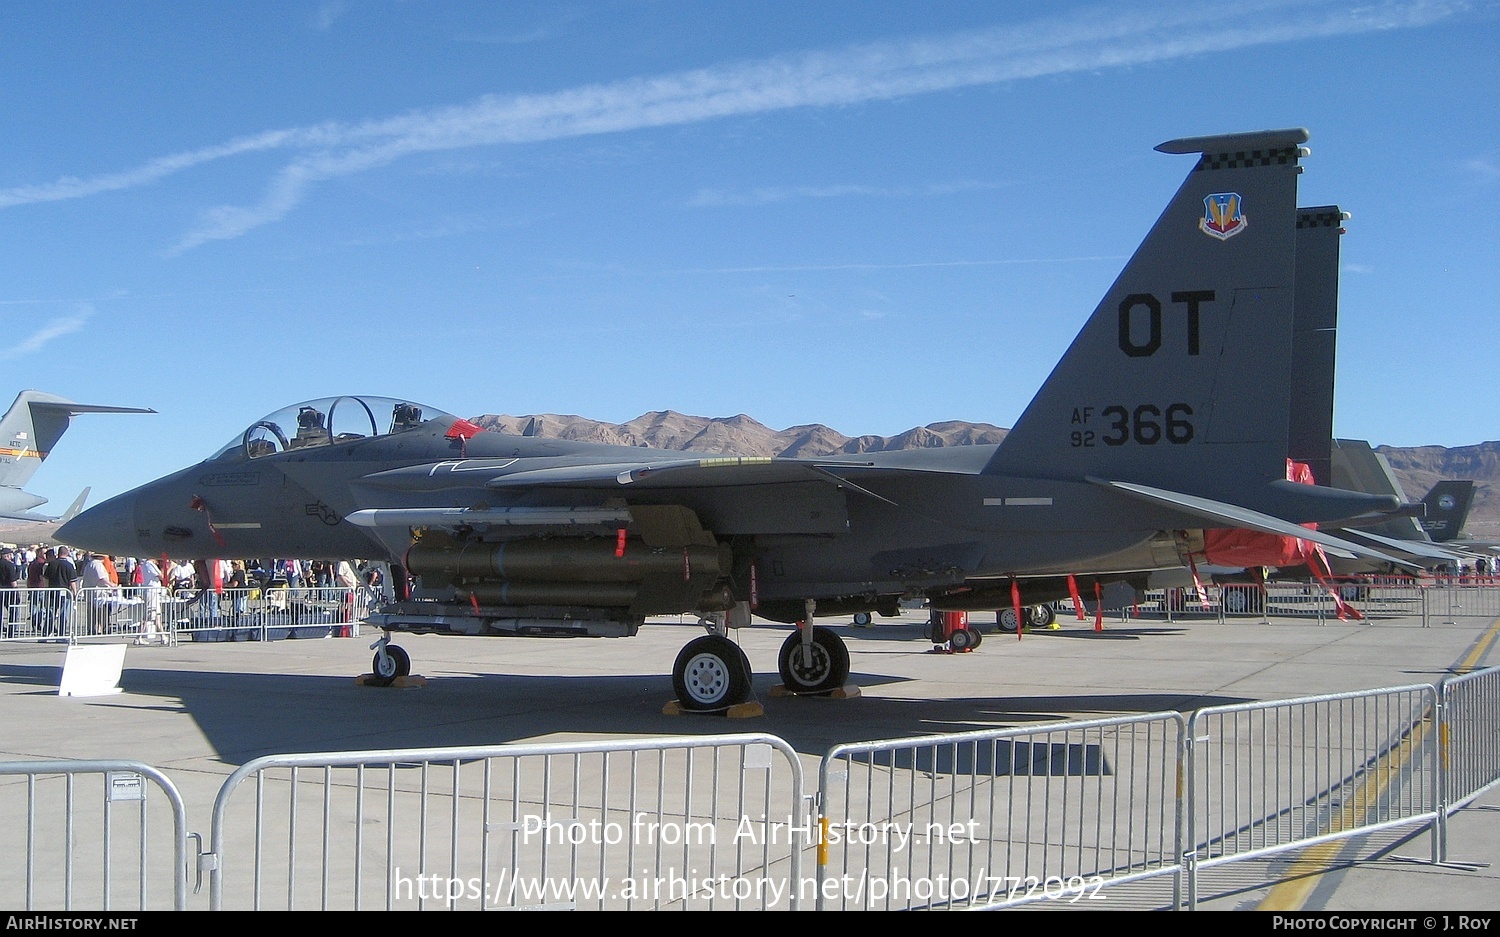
[{"x": 105, "y": 528}]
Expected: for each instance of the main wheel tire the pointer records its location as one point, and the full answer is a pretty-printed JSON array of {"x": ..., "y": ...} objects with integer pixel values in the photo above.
[
  {"x": 977, "y": 635},
  {"x": 395, "y": 662},
  {"x": 1005, "y": 620},
  {"x": 1040, "y": 616},
  {"x": 711, "y": 672},
  {"x": 830, "y": 662},
  {"x": 962, "y": 639},
  {"x": 862, "y": 619}
]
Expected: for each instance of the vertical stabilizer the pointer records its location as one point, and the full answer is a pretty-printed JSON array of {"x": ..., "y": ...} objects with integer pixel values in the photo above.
[
  {"x": 1314, "y": 333},
  {"x": 28, "y": 431},
  {"x": 1448, "y": 506},
  {"x": 1182, "y": 377}
]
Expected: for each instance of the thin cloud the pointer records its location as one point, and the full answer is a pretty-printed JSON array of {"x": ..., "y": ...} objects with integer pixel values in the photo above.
[
  {"x": 1483, "y": 169},
  {"x": 40, "y": 338},
  {"x": 1088, "y": 40},
  {"x": 328, "y": 13}
]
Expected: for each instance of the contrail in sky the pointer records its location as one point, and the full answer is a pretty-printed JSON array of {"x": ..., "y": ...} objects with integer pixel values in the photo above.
[{"x": 1083, "y": 40}]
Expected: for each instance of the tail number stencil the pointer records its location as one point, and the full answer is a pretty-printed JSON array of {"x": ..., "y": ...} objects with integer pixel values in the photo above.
[
  {"x": 1145, "y": 425},
  {"x": 1140, "y": 317}
]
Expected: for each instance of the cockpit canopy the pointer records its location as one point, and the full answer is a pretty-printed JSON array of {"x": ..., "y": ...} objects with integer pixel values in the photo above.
[{"x": 328, "y": 421}]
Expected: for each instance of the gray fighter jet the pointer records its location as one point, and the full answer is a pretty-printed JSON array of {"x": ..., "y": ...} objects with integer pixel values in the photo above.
[{"x": 1171, "y": 412}]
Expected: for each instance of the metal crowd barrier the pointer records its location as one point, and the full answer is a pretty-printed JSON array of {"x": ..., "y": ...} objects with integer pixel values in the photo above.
[
  {"x": 66, "y": 849},
  {"x": 1470, "y": 736},
  {"x": 1370, "y": 596},
  {"x": 587, "y": 825},
  {"x": 36, "y": 614},
  {"x": 153, "y": 614},
  {"x": 1269, "y": 777},
  {"x": 1462, "y": 598},
  {"x": 269, "y": 614},
  {"x": 1000, "y": 818}
]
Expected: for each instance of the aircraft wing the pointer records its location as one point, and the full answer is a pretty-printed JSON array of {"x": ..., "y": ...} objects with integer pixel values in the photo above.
[
  {"x": 675, "y": 473},
  {"x": 705, "y": 472},
  {"x": 1236, "y": 516}
]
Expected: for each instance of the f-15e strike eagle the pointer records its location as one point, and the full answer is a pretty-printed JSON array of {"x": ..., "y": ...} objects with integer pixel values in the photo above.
[{"x": 1207, "y": 366}]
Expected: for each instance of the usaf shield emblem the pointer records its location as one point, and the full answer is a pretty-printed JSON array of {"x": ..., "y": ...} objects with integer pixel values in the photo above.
[{"x": 1223, "y": 216}]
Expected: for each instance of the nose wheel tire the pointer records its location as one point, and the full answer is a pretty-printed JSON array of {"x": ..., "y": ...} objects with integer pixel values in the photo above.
[
  {"x": 828, "y": 670},
  {"x": 711, "y": 672},
  {"x": 395, "y": 662}
]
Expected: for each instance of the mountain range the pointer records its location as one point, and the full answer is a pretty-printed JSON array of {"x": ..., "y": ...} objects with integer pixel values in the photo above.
[{"x": 1416, "y": 467}]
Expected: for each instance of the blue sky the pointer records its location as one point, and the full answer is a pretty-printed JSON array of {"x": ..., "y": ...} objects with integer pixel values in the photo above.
[{"x": 873, "y": 215}]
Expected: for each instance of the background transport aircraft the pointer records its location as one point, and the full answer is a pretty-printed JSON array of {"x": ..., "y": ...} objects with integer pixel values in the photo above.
[
  {"x": 1172, "y": 411},
  {"x": 28, "y": 431}
]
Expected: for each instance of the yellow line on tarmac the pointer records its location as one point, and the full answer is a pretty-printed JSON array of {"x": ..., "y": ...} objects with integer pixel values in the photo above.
[
  {"x": 1481, "y": 647},
  {"x": 1292, "y": 892}
]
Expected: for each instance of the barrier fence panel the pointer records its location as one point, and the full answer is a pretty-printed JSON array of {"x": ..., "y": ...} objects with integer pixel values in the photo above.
[
  {"x": 991, "y": 819},
  {"x": 1361, "y": 597},
  {"x": 36, "y": 614},
  {"x": 1273, "y": 776},
  {"x": 271, "y": 614},
  {"x": 1470, "y": 735},
  {"x": 1463, "y": 597},
  {"x": 716, "y": 823},
  {"x": 75, "y": 835}
]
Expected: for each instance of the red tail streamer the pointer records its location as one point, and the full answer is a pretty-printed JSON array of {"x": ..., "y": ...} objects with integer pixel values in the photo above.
[
  {"x": 474, "y": 601},
  {"x": 1198, "y": 583},
  {"x": 1098, "y": 606},
  {"x": 1077, "y": 602},
  {"x": 620, "y": 542},
  {"x": 1344, "y": 609},
  {"x": 1015, "y": 603}
]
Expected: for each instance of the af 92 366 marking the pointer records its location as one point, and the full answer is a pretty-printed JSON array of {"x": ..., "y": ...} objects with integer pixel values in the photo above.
[{"x": 1146, "y": 425}]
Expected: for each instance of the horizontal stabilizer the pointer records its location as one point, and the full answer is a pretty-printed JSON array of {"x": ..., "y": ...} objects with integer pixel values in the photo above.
[
  {"x": 73, "y": 409},
  {"x": 1231, "y": 515},
  {"x": 1413, "y": 547}
]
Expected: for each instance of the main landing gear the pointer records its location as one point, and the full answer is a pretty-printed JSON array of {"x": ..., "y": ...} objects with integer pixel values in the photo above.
[
  {"x": 812, "y": 660},
  {"x": 815, "y": 667},
  {"x": 712, "y": 672},
  {"x": 1037, "y": 616}
]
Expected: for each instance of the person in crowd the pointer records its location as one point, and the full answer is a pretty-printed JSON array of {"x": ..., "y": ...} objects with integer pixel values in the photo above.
[
  {"x": 100, "y": 591},
  {"x": 11, "y": 575},
  {"x": 239, "y": 587},
  {"x": 150, "y": 576}
]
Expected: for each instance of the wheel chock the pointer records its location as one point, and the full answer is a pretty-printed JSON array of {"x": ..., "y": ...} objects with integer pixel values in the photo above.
[
  {"x": 843, "y": 692},
  {"x": 746, "y": 710},
  {"x": 368, "y": 679}
]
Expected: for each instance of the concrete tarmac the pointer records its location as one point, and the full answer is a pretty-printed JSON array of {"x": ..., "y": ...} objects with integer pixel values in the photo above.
[{"x": 197, "y": 711}]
